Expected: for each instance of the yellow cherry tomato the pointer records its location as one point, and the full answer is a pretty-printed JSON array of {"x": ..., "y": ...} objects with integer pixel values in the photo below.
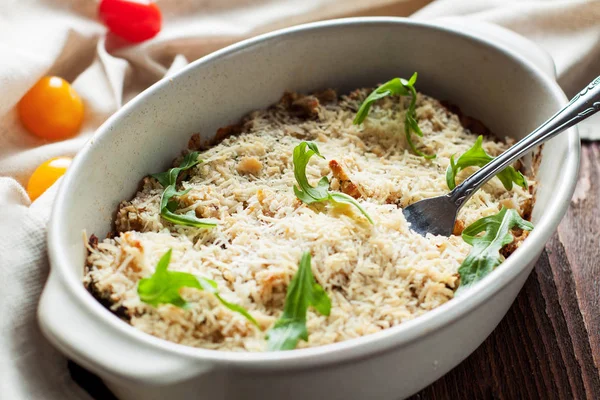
[
  {"x": 51, "y": 109},
  {"x": 46, "y": 174}
]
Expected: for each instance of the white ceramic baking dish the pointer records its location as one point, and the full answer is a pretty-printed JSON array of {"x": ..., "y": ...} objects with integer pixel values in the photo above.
[{"x": 487, "y": 80}]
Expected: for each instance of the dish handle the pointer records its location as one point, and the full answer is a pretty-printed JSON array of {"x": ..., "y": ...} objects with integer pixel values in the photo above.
[{"x": 104, "y": 348}]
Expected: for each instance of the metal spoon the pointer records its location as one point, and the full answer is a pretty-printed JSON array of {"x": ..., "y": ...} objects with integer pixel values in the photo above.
[{"x": 438, "y": 214}]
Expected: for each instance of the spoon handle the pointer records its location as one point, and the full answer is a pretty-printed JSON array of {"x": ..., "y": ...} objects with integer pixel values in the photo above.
[{"x": 583, "y": 105}]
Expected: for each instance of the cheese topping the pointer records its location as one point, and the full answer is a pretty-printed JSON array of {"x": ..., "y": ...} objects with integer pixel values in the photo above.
[{"x": 377, "y": 276}]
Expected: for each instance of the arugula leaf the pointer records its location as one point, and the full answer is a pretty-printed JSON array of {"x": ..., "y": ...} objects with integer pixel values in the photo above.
[
  {"x": 286, "y": 333},
  {"x": 476, "y": 156},
  {"x": 398, "y": 87},
  {"x": 168, "y": 180},
  {"x": 309, "y": 194},
  {"x": 392, "y": 87},
  {"x": 302, "y": 292},
  {"x": 485, "y": 254},
  {"x": 169, "y": 177},
  {"x": 163, "y": 288}
]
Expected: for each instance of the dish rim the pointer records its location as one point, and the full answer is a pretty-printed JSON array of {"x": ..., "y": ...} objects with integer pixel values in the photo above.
[{"x": 368, "y": 345}]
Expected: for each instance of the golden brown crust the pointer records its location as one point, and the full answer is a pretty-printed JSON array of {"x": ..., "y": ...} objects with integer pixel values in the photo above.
[
  {"x": 128, "y": 218},
  {"x": 93, "y": 241},
  {"x": 106, "y": 301},
  {"x": 301, "y": 106},
  {"x": 195, "y": 142},
  {"x": 519, "y": 235},
  {"x": 527, "y": 209},
  {"x": 346, "y": 185},
  {"x": 459, "y": 227},
  {"x": 470, "y": 123},
  {"x": 326, "y": 96},
  {"x": 225, "y": 132}
]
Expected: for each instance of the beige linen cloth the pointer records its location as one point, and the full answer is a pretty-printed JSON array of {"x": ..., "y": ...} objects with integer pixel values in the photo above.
[{"x": 63, "y": 37}]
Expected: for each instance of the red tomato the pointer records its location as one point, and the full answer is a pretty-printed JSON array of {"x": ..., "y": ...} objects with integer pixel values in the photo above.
[{"x": 134, "y": 21}]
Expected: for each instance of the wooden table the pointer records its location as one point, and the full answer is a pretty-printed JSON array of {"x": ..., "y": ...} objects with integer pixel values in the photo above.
[{"x": 548, "y": 345}]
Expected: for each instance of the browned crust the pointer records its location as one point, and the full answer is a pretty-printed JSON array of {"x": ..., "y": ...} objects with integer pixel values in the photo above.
[
  {"x": 301, "y": 106},
  {"x": 527, "y": 209},
  {"x": 519, "y": 237},
  {"x": 346, "y": 185},
  {"x": 130, "y": 223},
  {"x": 326, "y": 96},
  {"x": 357, "y": 94},
  {"x": 195, "y": 142},
  {"x": 468, "y": 122},
  {"x": 536, "y": 159},
  {"x": 104, "y": 299},
  {"x": 459, "y": 227},
  {"x": 226, "y": 132},
  {"x": 93, "y": 241}
]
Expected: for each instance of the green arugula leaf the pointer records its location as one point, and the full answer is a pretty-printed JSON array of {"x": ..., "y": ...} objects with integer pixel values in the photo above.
[
  {"x": 485, "y": 254},
  {"x": 302, "y": 292},
  {"x": 168, "y": 180},
  {"x": 309, "y": 194},
  {"x": 476, "y": 156},
  {"x": 286, "y": 333},
  {"x": 392, "y": 87},
  {"x": 398, "y": 87},
  {"x": 163, "y": 288},
  {"x": 337, "y": 197},
  {"x": 169, "y": 177},
  {"x": 187, "y": 219}
]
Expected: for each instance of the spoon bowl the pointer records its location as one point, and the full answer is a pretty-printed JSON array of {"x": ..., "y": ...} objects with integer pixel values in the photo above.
[{"x": 435, "y": 215}]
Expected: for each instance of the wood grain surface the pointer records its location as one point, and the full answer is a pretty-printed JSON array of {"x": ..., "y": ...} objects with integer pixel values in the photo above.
[{"x": 548, "y": 345}]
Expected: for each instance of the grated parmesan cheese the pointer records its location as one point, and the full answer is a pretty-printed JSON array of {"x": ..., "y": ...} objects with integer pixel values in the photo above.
[{"x": 377, "y": 276}]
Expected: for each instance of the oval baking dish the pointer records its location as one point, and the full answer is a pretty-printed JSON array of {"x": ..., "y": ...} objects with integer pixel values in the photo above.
[{"x": 508, "y": 93}]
